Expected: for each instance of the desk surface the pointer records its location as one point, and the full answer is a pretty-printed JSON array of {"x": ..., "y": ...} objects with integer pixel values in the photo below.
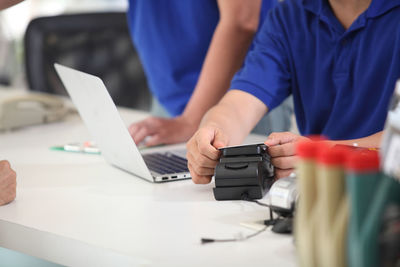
[{"x": 76, "y": 210}]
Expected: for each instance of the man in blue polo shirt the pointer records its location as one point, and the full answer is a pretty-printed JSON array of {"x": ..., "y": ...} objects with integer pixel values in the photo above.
[
  {"x": 190, "y": 50},
  {"x": 340, "y": 61}
]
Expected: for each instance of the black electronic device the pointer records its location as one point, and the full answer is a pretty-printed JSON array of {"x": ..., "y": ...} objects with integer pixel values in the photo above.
[{"x": 243, "y": 171}]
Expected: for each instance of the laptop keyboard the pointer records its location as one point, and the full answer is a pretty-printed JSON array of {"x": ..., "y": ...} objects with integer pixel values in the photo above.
[{"x": 165, "y": 163}]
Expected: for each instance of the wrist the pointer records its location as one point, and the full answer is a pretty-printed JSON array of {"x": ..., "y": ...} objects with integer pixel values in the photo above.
[
  {"x": 188, "y": 121},
  {"x": 191, "y": 119}
]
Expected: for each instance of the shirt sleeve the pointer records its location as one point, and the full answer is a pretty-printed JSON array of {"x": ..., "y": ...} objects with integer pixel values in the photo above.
[{"x": 266, "y": 73}]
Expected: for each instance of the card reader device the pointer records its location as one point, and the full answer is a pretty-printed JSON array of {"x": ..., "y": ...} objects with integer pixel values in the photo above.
[{"x": 243, "y": 171}]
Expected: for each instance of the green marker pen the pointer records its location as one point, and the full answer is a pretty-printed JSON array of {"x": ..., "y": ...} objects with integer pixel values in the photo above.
[{"x": 87, "y": 147}]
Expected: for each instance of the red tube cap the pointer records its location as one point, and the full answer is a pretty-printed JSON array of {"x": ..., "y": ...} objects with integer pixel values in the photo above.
[
  {"x": 310, "y": 149},
  {"x": 336, "y": 155},
  {"x": 363, "y": 160}
]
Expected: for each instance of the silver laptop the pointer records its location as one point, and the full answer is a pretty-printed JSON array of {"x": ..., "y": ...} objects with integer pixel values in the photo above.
[{"x": 101, "y": 116}]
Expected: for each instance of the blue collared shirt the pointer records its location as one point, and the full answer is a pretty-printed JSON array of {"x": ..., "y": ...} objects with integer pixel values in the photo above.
[
  {"x": 172, "y": 38},
  {"x": 341, "y": 80}
]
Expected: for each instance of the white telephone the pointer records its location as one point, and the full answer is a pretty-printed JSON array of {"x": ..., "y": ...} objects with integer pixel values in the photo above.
[{"x": 19, "y": 109}]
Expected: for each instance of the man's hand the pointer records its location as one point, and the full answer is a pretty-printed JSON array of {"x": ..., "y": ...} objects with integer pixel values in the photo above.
[
  {"x": 8, "y": 183},
  {"x": 203, "y": 154},
  {"x": 282, "y": 149},
  {"x": 163, "y": 131}
]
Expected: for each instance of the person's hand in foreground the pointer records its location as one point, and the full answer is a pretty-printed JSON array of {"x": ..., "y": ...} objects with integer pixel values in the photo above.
[
  {"x": 226, "y": 124},
  {"x": 203, "y": 154},
  {"x": 282, "y": 149},
  {"x": 163, "y": 131},
  {"x": 8, "y": 183}
]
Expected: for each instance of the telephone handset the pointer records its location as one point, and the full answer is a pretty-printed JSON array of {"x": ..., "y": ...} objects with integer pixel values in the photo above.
[{"x": 19, "y": 110}]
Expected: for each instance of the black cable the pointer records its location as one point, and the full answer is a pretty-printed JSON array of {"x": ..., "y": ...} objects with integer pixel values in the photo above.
[
  {"x": 267, "y": 223},
  {"x": 257, "y": 202},
  {"x": 211, "y": 240},
  {"x": 245, "y": 197}
]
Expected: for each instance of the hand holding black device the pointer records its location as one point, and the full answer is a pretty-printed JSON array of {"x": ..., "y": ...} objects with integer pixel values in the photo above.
[{"x": 243, "y": 172}]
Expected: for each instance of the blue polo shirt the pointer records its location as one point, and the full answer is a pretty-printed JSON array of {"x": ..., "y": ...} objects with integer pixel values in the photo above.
[
  {"x": 172, "y": 39},
  {"x": 341, "y": 80}
]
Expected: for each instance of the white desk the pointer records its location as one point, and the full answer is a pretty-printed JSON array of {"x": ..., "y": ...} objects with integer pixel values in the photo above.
[{"x": 76, "y": 210}]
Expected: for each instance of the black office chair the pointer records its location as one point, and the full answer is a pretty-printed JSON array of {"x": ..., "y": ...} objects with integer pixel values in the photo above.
[{"x": 96, "y": 43}]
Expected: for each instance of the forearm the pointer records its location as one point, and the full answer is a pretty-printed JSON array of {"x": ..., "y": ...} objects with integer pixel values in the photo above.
[
  {"x": 225, "y": 55},
  {"x": 7, "y": 3},
  {"x": 220, "y": 116},
  {"x": 233, "y": 117},
  {"x": 372, "y": 141}
]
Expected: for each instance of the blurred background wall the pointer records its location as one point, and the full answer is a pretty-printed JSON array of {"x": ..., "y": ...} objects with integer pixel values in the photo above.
[{"x": 14, "y": 21}]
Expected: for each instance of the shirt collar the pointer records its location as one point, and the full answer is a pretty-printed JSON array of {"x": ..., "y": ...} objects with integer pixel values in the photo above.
[
  {"x": 379, "y": 7},
  {"x": 314, "y": 6},
  {"x": 376, "y": 8}
]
